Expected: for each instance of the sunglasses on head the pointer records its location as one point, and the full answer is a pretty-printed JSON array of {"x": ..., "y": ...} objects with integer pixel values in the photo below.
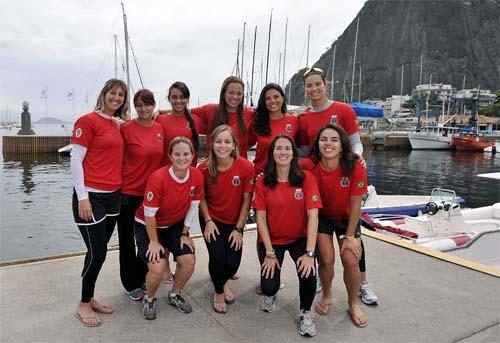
[{"x": 313, "y": 70}]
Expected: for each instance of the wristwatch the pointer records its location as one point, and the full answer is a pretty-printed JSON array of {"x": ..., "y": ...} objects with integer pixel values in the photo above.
[
  {"x": 347, "y": 237},
  {"x": 310, "y": 253}
]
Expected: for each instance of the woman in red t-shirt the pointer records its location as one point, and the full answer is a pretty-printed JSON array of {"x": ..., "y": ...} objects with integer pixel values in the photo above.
[
  {"x": 270, "y": 121},
  {"x": 286, "y": 186},
  {"x": 179, "y": 122},
  {"x": 163, "y": 220},
  {"x": 223, "y": 217},
  {"x": 342, "y": 181},
  {"x": 230, "y": 111},
  {"x": 96, "y": 162},
  {"x": 143, "y": 153}
]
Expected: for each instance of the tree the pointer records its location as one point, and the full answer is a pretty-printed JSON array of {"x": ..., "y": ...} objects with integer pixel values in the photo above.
[{"x": 412, "y": 103}]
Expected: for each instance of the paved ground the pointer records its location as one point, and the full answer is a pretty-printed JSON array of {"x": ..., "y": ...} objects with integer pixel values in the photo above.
[{"x": 422, "y": 299}]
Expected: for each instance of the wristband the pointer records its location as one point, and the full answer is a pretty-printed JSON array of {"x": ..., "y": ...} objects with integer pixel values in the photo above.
[
  {"x": 351, "y": 238},
  {"x": 239, "y": 229},
  {"x": 185, "y": 234},
  {"x": 206, "y": 221}
]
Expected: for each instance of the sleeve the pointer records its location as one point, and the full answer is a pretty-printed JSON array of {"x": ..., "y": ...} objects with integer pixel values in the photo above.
[
  {"x": 153, "y": 191},
  {"x": 198, "y": 184},
  {"x": 202, "y": 114},
  {"x": 252, "y": 138},
  {"x": 359, "y": 180},
  {"x": 78, "y": 153},
  {"x": 350, "y": 120},
  {"x": 313, "y": 198},
  {"x": 357, "y": 146},
  {"x": 301, "y": 137},
  {"x": 83, "y": 132},
  {"x": 306, "y": 164},
  {"x": 198, "y": 123},
  {"x": 249, "y": 182},
  {"x": 259, "y": 196},
  {"x": 192, "y": 213}
]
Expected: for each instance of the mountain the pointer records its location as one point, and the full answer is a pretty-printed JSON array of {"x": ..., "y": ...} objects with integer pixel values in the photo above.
[
  {"x": 51, "y": 120},
  {"x": 455, "y": 38}
]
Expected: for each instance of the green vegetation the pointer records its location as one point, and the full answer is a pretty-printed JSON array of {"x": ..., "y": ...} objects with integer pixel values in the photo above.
[{"x": 493, "y": 109}]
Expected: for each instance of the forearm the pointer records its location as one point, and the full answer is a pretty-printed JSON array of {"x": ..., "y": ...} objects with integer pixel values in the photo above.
[
  {"x": 151, "y": 228},
  {"x": 204, "y": 210},
  {"x": 354, "y": 214},
  {"x": 245, "y": 208},
  {"x": 263, "y": 230},
  {"x": 312, "y": 229}
]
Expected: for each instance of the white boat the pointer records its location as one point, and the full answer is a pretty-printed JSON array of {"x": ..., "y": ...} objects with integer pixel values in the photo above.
[{"x": 438, "y": 137}]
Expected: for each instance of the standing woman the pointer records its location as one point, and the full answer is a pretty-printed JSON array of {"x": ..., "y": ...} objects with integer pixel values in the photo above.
[
  {"x": 163, "y": 221},
  {"x": 342, "y": 181},
  {"x": 179, "y": 121},
  {"x": 96, "y": 161},
  {"x": 325, "y": 111},
  {"x": 271, "y": 120},
  {"x": 143, "y": 154},
  {"x": 285, "y": 185},
  {"x": 223, "y": 217},
  {"x": 229, "y": 111}
]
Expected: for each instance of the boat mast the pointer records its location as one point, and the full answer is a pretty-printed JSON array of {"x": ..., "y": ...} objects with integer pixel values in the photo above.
[
  {"x": 307, "y": 58},
  {"x": 126, "y": 59},
  {"x": 359, "y": 86},
  {"x": 253, "y": 65},
  {"x": 243, "y": 49},
  {"x": 332, "y": 94},
  {"x": 402, "y": 73},
  {"x": 279, "y": 69},
  {"x": 284, "y": 53},
  {"x": 354, "y": 61},
  {"x": 238, "y": 59},
  {"x": 116, "y": 60},
  {"x": 269, "y": 43}
]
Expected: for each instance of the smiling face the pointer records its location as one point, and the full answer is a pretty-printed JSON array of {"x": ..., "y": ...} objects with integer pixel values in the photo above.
[
  {"x": 144, "y": 110},
  {"x": 233, "y": 96},
  {"x": 224, "y": 145},
  {"x": 178, "y": 101},
  {"x": 315, "y": 88},
  {"x": 274, "y": 101},
  {"x": 113, "y": 100},
  {"x": 329, "y": 144},
  {"x": 181, "y": 156},
  {"x": 283, "y": 152}
]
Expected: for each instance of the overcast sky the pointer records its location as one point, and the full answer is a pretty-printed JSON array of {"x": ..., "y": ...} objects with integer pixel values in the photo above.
[{"x": 68, "y": 45}]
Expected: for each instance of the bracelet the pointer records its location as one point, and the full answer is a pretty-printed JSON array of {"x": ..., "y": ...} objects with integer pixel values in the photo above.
[
  {"x": 206, "y": 221},
  {"x": 239, "y": 229},
  {"x": 351, "y": 238},
  {"x": 271, "y": 254},
  {"x": 185, "y": 234}
]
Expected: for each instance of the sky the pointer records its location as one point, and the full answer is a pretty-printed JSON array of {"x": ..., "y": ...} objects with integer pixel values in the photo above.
[{"x": 67, "y": 47}]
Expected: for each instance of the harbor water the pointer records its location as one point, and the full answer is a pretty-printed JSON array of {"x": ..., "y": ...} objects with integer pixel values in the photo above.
[{"x": 35, "y": 199}]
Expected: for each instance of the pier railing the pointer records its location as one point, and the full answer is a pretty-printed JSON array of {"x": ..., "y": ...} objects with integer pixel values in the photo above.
[{"x": 33, "y": 144}]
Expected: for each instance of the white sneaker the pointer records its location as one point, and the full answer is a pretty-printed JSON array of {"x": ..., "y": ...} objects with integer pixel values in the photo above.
[
  {"x": 306, "y": 324},
  {"x": 367, "y": 295},
  {"x": 267, "y": 303},
  {"x": 319, "y": 288}
]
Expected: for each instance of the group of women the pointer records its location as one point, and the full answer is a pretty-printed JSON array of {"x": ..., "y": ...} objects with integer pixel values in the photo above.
[{"x": 143, "y": 175}]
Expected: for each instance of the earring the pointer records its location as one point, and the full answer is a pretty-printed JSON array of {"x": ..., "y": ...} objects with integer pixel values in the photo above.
[{"x": 340, "y": 155}]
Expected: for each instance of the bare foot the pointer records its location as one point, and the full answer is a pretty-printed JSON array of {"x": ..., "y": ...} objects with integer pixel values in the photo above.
[
  {"x": 87, "y": 316},
  {"x": 323, "y": 305},
  {"x": 228, "y": 296},
  {"x": 220, "y": 303},
  {"x": 357, "y": 316},
  {"x": 101, "y": 308}
]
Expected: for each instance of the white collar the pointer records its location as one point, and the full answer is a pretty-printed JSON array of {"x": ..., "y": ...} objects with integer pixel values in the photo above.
[{"x": 172, "y": 174}]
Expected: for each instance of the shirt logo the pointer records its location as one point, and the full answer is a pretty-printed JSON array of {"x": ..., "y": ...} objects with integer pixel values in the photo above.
[
  {"x": 344, "y": 182},
  {"x": 78, "y": 133},
  {"x": 334, "y": 119},
  {"x": 252, "y": 181},
  {"x": 288, "y": 128},
  {"x": 314, "y": 198},
  {"x": 236, "y": 180},
  {"x": 149, "y": 196},
  {"x": 361, "y": 184},
  {"x": 191, "y": 192},
  {"x": 298, "y": 194},
  {"x": 158, "y": 137}
]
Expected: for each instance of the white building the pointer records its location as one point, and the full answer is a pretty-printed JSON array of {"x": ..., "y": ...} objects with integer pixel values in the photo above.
[
  {"x": 485, "y": 96},
  {"x": 393, "y": 105}
]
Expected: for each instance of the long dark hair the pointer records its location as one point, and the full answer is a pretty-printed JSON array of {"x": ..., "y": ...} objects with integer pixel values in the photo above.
[
  {"x": 109, "y": 85},
  {"x": 222, "y": 115},
  {"x": 347, "y": 157},
  {"x": 295, "y": 175},
  {"x": 183, "y": 88},
  {"x": 261, "y": 123}
]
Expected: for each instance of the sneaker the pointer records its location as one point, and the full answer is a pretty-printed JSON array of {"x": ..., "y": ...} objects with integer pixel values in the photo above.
[
  {"x": 149, "y": 309},
  {"x": 136, "y": 295},
  {"x": 178, "y": 301},
  {"x": 267, "y": 303},
  {"x": 367, "y": 295},
  {"x": 319, "y": 288},
  {"x": 306, "y": 324}
]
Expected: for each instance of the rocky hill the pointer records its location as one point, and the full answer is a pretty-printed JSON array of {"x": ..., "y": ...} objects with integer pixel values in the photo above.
[{"x": 455, "y": 38}]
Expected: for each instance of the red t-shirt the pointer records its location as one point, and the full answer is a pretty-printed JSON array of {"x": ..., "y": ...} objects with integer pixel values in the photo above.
[
  {"x": 338, "y": 113},
  {"x": 224, "y": 199},
  {"x": 176, "y": 126},
  {"x": 289, "y": 125},
  {"x": 142, "y": 155},
  {"x": 172, "y": 198},
  {"x": 102, "y": 164},
  {"x": 207, "y": 115},
  {"x": 286, "y": 207},
  {"x": 336, "y": 190}
]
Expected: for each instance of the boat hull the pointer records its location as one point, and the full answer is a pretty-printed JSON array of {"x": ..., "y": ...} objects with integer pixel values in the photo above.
[
  {"x": 423, "y": 141},
  {"x": 471, "y": 144}
]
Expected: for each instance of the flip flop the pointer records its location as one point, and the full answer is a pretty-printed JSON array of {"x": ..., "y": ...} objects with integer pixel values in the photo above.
[
  {"x": 359, "y": 321},
  {"x": 229, "y": 298},
  {"x": 219, "y": 303},
  {"x": 103, "y": 308},
  {"x": 235, "y": 277},
  {"x": 83, "y": 320},
  {"x": 322, "y": 309}
]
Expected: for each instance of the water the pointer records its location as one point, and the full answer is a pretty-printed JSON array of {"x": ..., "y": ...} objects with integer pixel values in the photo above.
[{"x": 35, "y": 200}]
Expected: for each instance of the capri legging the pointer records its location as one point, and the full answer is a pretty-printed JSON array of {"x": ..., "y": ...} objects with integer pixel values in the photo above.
[{"x": 223, "y": 261}]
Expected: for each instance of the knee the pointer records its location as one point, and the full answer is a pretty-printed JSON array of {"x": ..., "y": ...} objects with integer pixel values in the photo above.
[
  {"x": 155, "y": 271},
  {"x": 187, "y": 261},
  {"x": 326, "y": 261},
  {"x": 350, "y": 263},
  {"x": 269, "y": 288}
]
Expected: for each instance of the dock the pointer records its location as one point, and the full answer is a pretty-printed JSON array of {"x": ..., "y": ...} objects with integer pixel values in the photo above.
[
  {"x": 422, "y": 299},
  {"x": 33, "y": 144}
]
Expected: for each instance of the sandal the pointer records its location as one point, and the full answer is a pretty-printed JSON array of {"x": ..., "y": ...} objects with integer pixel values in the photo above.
[
  {"x": 85, "y": 320},
  {"x": 235, "y": 277},
  {"x": 219, "y": 303},
  {"x": 358, "y": 320},
  {"x": 101, "y": 308},
  {"x": 229, "y": 297},
  {"x": 322, "y": 309}
]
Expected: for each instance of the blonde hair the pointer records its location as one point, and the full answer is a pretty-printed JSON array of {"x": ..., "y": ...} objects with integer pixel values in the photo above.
[
  {"x": 211, "y": 161},
  {"x": 109, "y": 85}
]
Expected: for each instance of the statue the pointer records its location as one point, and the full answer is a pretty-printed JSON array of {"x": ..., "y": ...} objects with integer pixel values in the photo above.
[{"x": 26, "y": 121}]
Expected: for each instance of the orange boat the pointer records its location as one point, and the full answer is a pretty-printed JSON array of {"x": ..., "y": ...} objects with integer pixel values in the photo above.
[{"x": 471, "y": 142}]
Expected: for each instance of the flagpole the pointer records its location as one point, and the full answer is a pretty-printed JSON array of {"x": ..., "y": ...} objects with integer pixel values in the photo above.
[{"x": 73, "y": 99}]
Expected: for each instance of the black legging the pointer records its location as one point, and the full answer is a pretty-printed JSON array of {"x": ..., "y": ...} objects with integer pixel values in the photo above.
[
  {"x": 362, "y": 262},
  {"x": 96, "y": 238},
  {"x": 132, "y": 269},
  {"x": 307, "y": 285},
  {"x": 223, "y": 261}
]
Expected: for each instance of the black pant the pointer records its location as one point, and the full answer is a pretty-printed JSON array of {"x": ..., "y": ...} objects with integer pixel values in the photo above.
[
  {"x": 132, "y": 270},
  {"x": 307, "y": 285},
  {"x": 362, "y": 261},
  {"x": 223, "y": 261}
]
